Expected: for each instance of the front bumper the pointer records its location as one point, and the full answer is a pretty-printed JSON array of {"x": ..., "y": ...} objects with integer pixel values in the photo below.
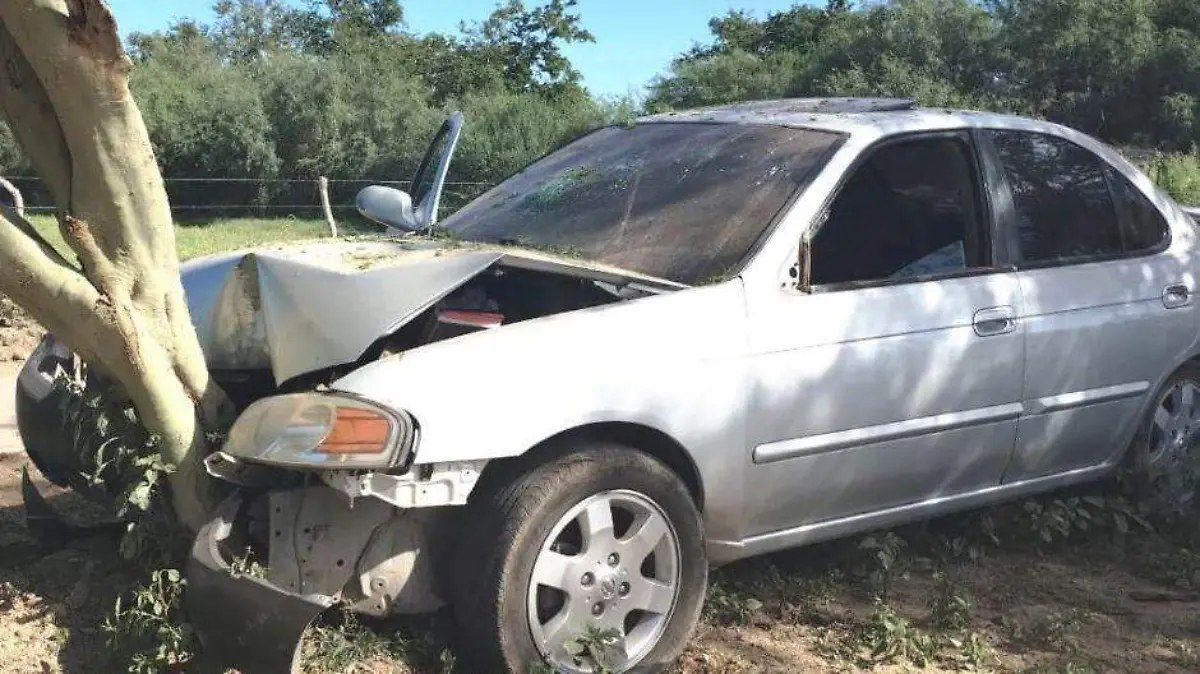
[{"x": 244, "y": 621}]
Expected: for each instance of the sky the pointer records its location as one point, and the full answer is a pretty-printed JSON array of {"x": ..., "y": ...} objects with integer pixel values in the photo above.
[{"x": 635, "y": 39}]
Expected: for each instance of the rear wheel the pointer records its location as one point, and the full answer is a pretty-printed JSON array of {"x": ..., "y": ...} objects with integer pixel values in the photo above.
[
  {"x": 599, "y": 551},
  {"x": 1165, "y": 454}
]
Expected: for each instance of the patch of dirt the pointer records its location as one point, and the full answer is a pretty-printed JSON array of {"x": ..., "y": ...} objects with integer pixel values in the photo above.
[
  {"x": 52, "y": 602},
  {"x": 19, "y": 333}
]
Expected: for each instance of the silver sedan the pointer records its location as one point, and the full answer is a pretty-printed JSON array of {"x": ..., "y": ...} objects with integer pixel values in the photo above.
[{"x": 673, "y": 344}]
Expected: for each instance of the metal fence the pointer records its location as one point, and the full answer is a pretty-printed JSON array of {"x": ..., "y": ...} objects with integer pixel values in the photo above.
[{"x": 260, "y": 197}]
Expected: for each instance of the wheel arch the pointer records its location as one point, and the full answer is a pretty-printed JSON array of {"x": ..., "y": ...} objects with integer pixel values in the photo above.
[
  {"x": 1121, "y": 458},
  {"x": 636, "y": 436}
]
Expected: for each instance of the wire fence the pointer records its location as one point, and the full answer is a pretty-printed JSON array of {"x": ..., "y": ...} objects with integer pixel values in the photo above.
[{"x": 261, "y": 197}]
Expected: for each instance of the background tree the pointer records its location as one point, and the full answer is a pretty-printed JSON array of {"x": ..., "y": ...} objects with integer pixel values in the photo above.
[{"x": 1126, "y": 71}]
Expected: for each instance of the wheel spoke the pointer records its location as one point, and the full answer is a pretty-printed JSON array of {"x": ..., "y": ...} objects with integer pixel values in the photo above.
[
  {"x": 1163, "y": 420},
  {"x": 651, "y": 596},
  {"x": 644, "y": 536},
  {"x": 596, "y": 522},
  {"x": 556, "y": 570},
  {"x": 563, "y": 627},
  {"x": 1190, "y": 405}
]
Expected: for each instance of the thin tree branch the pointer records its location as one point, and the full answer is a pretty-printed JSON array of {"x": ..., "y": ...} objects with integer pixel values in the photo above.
[{"x": 31, "y": 118}]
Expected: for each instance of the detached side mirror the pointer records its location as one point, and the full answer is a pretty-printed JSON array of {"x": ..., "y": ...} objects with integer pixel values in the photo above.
[
  {"x": 394, "y": 208},
  {"x": 388, "y": 206}
]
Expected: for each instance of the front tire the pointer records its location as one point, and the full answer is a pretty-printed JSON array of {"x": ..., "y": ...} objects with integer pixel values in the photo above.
[{"x": 604, "y": 540}]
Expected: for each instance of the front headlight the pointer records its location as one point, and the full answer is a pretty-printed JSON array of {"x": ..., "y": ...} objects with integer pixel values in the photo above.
[{"x": 318, "y": 430}]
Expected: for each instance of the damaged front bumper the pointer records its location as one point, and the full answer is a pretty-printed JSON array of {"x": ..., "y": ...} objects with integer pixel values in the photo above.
[
  {"x": 246, "y": 622},
  {"x": 370, "y": 544}
]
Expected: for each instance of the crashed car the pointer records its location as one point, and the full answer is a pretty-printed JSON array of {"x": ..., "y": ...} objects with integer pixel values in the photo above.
[{"x": 670, "y": 345}]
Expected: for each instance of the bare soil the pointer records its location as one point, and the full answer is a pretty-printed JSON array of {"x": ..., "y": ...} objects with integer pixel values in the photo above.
[{"x": 19, "y": 333}]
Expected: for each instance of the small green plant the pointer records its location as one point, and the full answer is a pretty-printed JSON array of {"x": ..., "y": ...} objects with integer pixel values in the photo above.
[
  {"x": 593, "y": 648},
  {"x": 247, "y": 565},
  {"x": 950, "y": 605},
  {"x": 1053, "y": 520},
  {"x": 122, "y": 467},
  {"x": 888, "y": 637},
  {"x": 341, "y": 643},
  {"x": 974, "y": 653},
  {"x": 883, "y": 560},
  {"x": 727, "y": 607},
  {"x": 540, "y": 668},
  {"x": 148, "y": 629},
  {"x": 1055, "y": 630}
]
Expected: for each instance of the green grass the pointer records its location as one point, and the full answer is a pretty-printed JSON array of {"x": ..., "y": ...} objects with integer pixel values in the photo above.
[{"x": 197, "y": 238}]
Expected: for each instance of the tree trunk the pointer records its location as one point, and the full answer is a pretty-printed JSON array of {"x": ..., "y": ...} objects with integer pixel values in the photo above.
[{"x": 64, "y": 92}]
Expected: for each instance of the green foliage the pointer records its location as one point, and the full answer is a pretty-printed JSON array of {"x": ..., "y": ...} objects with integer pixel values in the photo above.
[
  {"x": 1054, "y": 519},
  {"x": 123, "y": 468},
  {"x": 341, "y": 643},
  {"x": 884, "y": 558},
  {"x": 148, "y": 629},
  {"x": 206, "y": 120},
  {"x": 888, "y": 637},
  {"x": 727, "y": 606},
  {"x": 1127, "y": 71},
  {"x": 275, "y": 90},
  {"x": 593, "y": 647},
  {"x": 950, "y": 606},
  {"x": 1178, "y": 175}
]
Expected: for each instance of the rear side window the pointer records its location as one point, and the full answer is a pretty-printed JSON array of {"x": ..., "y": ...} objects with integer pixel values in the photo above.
[
  {"x": 1063, "y": 204},
  {"x": 1143, "y": 227}
]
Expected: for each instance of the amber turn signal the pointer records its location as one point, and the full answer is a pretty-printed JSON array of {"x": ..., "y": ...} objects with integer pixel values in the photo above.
[{"x": 357, "y": 431}]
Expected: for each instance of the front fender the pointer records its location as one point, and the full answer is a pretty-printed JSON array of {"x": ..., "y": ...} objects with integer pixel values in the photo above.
[{"x": 673, "y": 363}]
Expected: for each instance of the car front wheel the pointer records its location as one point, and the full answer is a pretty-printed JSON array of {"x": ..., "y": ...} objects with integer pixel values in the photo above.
[{"x": 594, "y": 555}]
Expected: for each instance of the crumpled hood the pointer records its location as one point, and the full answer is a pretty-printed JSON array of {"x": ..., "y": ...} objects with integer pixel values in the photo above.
[{"x": 300, "y": 308}]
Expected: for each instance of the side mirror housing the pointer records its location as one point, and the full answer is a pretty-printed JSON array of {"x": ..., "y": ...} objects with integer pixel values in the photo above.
[
  {"x": 802, "y": 270},
  {"x": 388, "y": 206}
]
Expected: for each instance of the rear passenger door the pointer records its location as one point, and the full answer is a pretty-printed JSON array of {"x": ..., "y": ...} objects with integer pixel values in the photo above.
[{"x": 1101, "y": 300}]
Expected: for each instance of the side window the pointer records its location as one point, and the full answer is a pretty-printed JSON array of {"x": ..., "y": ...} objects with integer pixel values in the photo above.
[
  {"x": 1062, "y": 199},
  {"x": 1143, "y": 227},
  {"x": 912, "y": 209}
]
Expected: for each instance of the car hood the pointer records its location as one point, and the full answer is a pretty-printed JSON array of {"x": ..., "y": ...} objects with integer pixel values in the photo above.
[{"x": 305, "y": 307}]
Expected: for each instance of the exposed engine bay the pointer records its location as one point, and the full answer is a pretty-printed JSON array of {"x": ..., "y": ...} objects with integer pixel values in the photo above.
[{"x": 285, "y": 320}]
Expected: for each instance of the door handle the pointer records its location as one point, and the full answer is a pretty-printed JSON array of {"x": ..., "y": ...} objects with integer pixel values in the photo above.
[
  {"x": 995, "y": 321},
  {"x": 1176, "y": 296}
]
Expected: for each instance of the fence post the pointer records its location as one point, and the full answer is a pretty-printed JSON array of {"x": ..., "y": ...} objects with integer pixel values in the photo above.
[
  {"x": 18, "y": 200},
  {"x": 323, "y": 187}
]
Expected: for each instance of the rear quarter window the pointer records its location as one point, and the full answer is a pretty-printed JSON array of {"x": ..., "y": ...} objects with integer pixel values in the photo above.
[
  {"x": 1064, "y": 207},
  {"x": 1143, "y": 227}
]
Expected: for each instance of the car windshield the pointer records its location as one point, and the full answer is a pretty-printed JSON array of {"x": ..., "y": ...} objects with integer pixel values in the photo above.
[{"x": 682, "y": 201}]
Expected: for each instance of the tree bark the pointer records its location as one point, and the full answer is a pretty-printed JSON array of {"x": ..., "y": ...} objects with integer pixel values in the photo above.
[{"x": 64, "y": 92}]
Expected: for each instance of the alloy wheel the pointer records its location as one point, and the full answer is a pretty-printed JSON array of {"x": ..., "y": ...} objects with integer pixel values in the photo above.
[{"x": 611, "y": 566}]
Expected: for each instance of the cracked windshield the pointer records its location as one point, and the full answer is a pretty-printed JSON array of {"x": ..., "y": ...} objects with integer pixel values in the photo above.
[{"x": 682, "y": 201}]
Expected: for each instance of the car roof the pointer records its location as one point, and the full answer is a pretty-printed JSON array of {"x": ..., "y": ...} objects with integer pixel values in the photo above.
[{"x": 856, "y": 116}]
